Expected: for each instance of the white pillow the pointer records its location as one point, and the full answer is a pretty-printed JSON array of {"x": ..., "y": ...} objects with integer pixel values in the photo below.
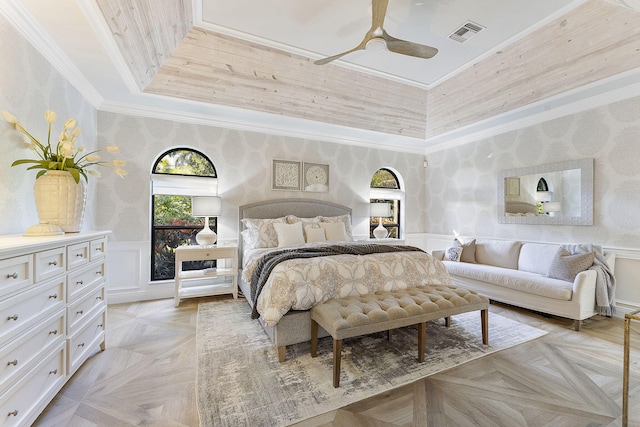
[
  {"x": 335, "y": 231},
  {"x": 289, "y": 234},
  {"x": 314, "y": 234},
  {"x": 345, "y": 219},
  {"x": 453, "y": 253}
]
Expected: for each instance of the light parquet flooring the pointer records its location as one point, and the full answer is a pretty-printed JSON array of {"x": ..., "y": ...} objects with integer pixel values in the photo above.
[{"x": 146, "y": 376}]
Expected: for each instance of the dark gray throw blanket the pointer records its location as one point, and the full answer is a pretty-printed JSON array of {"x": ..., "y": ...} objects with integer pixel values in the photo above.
[
  {"x": 605, "y": 280},
  {"x": 268, "y": 262}
]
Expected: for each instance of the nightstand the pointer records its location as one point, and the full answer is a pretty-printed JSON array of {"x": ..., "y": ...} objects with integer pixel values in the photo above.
[{"x": 211, "y": 281}]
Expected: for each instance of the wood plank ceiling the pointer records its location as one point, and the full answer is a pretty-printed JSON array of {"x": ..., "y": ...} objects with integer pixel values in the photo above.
[{"x": 168, "y": 56}]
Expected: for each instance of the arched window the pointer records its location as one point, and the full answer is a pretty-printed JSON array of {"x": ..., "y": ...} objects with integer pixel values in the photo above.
[
  {"x": 386, "y": 188},
  {"x": 177, "y": 175}
]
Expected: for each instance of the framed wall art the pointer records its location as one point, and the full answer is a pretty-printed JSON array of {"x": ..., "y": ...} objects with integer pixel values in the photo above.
[
  {"x": 315, "y": 177},
  {"x": 512, "y": 187},
  {"x": 285, "y": 175}
]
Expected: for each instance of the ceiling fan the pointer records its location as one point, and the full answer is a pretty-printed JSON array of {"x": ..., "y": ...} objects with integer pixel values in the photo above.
[{"x": 377, "y": 38}]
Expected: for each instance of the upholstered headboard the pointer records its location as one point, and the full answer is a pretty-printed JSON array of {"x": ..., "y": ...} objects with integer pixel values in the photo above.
[{"x": 303, "y": 208}]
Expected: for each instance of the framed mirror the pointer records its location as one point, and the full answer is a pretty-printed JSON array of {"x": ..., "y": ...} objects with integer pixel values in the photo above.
[{"x": 555, "y": 193}]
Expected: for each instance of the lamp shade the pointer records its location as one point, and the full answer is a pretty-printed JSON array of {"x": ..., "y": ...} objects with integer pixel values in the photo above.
[
  {"x": 543, "y": 196},
  {"x": 379, "y": 209},
  {"x": 206, "y": 206}
]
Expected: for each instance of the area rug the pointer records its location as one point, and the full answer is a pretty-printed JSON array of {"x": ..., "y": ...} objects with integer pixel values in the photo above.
[{"x": 241, "y": 383}]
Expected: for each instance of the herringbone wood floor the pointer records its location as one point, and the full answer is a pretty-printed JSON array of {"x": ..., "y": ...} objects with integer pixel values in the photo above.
[{"x": 146, "y": 376}]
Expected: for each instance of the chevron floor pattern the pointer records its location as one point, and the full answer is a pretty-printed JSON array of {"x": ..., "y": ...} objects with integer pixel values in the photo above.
[{"x": 146, "y": 376}]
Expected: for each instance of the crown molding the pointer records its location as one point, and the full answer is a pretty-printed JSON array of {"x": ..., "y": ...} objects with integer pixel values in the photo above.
[{"x": 32, "y": 31}]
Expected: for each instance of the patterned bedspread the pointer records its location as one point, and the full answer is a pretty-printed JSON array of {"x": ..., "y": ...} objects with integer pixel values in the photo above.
[{"x": 299, "y": 284}]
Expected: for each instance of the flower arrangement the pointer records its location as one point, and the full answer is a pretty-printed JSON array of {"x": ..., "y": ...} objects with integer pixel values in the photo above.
[{"x": 65, "y": 156}]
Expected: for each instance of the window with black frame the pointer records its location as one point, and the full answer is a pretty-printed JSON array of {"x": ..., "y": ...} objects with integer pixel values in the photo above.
[
  {"x": 177, "y": 175},
  {"x": 385, "y": 188}
]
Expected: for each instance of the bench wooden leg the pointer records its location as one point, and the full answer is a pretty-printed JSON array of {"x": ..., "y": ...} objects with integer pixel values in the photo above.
[
  {"x": 337, "y": 353},
  {"x": 484, "y": 318},
  {"x": 282, "y": 353},
  {"x": 314, "y": 338},
  {"x": 389, "y": 334},
  {"x": 422, "y": 338},
  {"x": 447, "y": 321}
]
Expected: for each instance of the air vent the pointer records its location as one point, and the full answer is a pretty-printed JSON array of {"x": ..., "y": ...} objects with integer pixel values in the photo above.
[{"x": 465, "y": 32}]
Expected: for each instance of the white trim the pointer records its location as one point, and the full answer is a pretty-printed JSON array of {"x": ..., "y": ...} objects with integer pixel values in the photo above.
[{"x": 30, "y": 29}]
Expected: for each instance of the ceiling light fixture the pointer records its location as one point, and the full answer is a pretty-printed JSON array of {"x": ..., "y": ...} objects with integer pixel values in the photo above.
[{"x": 376, "y": 45}]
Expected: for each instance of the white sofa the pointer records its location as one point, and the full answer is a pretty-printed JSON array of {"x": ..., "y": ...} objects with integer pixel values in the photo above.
[{"x": 515, "y": 272}]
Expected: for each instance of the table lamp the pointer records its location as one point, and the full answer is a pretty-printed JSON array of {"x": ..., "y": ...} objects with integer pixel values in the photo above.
[
  {"x": 380, "y": 210},
  {"x": 206, "y": 206}
]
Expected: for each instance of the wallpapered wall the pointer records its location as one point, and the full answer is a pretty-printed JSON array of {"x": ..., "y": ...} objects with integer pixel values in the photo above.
[
  {"x": 462, "y": 186},
  {"x": 28, "y": 86},
  {"x": 243, "y": 163}
]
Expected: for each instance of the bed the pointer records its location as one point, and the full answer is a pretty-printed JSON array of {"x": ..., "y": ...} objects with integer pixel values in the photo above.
[{"x": 291, "y": 324}]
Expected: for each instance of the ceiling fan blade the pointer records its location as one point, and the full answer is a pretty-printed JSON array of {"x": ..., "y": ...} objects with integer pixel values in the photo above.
[
  {"x": 378, "y": 13},
  {"x": 334, "y": 57},
  {"x": 408, "y": 48}
]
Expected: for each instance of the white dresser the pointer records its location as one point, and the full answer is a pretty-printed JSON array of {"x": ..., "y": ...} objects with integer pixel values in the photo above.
[{"x": 52, "y": 316}]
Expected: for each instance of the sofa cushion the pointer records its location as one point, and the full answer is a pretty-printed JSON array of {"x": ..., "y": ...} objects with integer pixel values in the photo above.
[
  {"x": 453, "y": 253},
  {"x": 514, "y": 279},
  {"x": 536, "y": 257},
  {"x": 566, "y": 266},
  {"x": 468, "y": 250},
  {"x": 499, "y": 253}
]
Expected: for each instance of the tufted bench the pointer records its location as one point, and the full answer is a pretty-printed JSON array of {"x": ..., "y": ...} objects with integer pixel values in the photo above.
[{"x": 383, "y": 311}]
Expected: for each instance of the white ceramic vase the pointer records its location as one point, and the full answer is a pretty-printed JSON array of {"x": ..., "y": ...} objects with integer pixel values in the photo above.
[{"x": 60, "y": 200}]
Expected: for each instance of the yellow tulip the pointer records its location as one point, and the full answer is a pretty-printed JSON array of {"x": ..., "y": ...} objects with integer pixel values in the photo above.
[
  {"x": 92, "y": 158},
  {"x": 9, "y": 117},
  {"x": 119, "y": 162},
  {"x": 76, "y": 132},
  {"x": 70, "y": 124},
  {"x": 49, "y": 116}
]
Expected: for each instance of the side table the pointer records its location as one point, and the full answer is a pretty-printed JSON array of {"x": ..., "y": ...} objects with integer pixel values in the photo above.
[{"x": 209, "y": 281}]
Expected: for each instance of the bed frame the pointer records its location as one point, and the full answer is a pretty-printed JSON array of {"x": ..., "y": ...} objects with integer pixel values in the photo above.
[{"x": 295, "y": 326}]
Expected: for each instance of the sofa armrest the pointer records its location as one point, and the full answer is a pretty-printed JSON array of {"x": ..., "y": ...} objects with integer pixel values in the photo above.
[
  {"x": 438, "y": 254},
  {"x": 584, "y": 287}
]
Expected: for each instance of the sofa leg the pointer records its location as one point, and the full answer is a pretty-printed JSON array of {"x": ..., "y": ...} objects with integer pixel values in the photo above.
[
  {"x": 577, "y": 324},
  {"x": 282, "y": 353}
]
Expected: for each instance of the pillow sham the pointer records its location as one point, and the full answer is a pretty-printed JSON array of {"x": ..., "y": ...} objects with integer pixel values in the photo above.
[
  {"x": 453, "y": 253},
  {"x": 291, "y": 219},
  {"x": 289, "y": 234},
  {"x": 345, "y": 219},
  {"x": 249, "y": 239},
  {"x": 314, "y": 233},
  {"x": 565, "y": 266},
  {"x": 468, "y": 250},
  {"x": 335, "y": 231},
  {"x": 264, "y": 235}
]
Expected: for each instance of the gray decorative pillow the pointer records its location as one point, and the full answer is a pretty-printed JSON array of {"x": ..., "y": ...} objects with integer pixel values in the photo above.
[
  {"x": 565, "y": 266},
  {"x": 468, "y": 250},
  {"x": 453, "y": 253}
]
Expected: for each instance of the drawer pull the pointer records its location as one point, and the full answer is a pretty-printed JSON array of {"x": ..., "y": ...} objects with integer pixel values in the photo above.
[
  {"x": 14, "y": 317},
  {"x": 81, "y": 345},
  {"x": 100, "y": 298},
  {"x": 99, "y": 272},
  {"x": 80, "y": 282},
  {"x": 79, "y": 255},
  {"x": 98, "y": 250},
  {"x": 13, "y": 413},
  {"x": 13, "y": 362},
  {"x": 12, "y": 276},
  {"x": 54, "y": 296},
  {"x": 55, "y": 371},
  {"x": 80, "y": 312},
  {"x": 54, "y": 332},
  {"x": 99, "y": 326},
  {"x": 53, "y": 262}
]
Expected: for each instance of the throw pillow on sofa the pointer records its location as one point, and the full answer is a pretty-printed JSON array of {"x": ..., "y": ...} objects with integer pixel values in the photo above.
[
  {"x": 565, "y": 266},
  {"x": 453, "y": 253},
  {"x": 468, "y": 250}
]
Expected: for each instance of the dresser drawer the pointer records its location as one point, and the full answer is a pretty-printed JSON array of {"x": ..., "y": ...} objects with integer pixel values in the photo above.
[
  {"x": 85, "y": 307},
  {"x": 18, "y": 356},
  {"x": 15, "y": 274},
  {"x": 98, "y": 249},
  {"x": 82, "y": 280},
  {"x": 85, "y": 342},
  {"x": 77, "y": 255},
  {"x": 34, "y": 390},
  {"x": 28, "y": 308},
  {"x": 50, "y": 263}
]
